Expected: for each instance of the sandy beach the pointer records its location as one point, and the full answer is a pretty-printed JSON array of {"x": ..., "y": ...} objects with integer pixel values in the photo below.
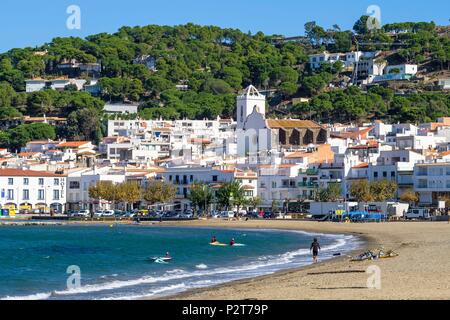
[{"x": 421, "y": 271}]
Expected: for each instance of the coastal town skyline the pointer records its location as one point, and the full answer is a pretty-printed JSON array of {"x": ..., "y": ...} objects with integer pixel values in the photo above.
[
  {"x": 37, "y": 23},
  {"x": 162, "y": 151}
]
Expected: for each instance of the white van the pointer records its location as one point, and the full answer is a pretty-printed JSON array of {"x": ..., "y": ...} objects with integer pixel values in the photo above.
[
  {"x": 227, "y": 214},
  {"x": 418, "y": 213}
]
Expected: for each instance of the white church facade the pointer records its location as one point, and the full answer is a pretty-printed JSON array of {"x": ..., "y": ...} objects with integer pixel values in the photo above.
[{"x": 259, "y": 137}]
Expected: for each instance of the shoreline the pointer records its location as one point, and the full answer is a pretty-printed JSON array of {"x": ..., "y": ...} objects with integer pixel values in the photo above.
[
  {"x": 421, "y": 271},
  {"x": 337, "y": 278}
]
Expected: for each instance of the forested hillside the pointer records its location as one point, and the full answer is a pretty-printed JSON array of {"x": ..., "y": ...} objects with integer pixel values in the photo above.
[{"x": 213, "y": 64}]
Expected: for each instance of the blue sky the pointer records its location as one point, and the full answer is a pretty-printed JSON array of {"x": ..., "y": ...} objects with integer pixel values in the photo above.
[{"x": 30, "y": 23}]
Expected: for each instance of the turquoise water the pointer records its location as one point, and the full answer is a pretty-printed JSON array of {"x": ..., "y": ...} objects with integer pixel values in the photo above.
[{"x": 114, "y": 262}]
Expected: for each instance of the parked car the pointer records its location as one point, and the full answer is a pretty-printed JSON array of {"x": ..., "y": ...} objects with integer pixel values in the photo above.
[
  {"x": 98, "y": 213},
  {"x": 108, "y": 213},
  {"x": 269, "y": 215},
  {"x": 215, "y": 214},
  {"x": 418, "y": 213},
  {"x": 253, "y": 214},
  {"x": 227, "y": 214},
  {"x": 186, "y": 215},
  {"x": 129, "y": 214},
  {"x": 242, "y": 212}
]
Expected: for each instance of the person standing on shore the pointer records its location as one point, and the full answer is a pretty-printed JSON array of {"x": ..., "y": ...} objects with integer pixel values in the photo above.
[{"x": 315, "y": 248}]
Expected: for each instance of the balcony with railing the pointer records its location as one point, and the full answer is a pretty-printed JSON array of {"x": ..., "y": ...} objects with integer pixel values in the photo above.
[
  {"x": 308, "y": 184},
  {"x": 309, "y": 172}
]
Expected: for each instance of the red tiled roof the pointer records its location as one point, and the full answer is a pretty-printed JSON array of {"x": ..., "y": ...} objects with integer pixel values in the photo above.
[
  {"x": 27, "y": 154},
  {"x": 291, "y": 123},
  {"x": 361, "y": 166},
  {"x": 73, "y": 144},
  {"x": 351, "y": 135},
  {"x": 27, "y": 173}
]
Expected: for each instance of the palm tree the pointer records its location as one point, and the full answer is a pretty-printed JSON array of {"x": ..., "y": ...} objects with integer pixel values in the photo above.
[
  {"x": 255, "y": 202},
  {"x": 231, "y": 194}
]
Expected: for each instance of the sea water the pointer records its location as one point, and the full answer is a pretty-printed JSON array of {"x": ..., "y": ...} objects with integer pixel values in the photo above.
[{"x": 114, "y": 260}]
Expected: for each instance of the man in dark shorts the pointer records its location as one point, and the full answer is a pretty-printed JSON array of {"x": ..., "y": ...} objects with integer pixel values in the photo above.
[{"x": 315, "y": 248}]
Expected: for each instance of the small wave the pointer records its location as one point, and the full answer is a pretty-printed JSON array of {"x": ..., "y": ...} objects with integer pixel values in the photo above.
[
  {"x": 201, "y": 266},
  {"x": 175, "y": 271},
  {"x": 175, "y": 287},
  {"x": 37, "y": 296}
]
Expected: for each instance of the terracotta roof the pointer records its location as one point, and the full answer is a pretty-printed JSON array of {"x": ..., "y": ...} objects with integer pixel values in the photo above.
[
  {"x": 290, "y": 124},
  {"x": 27, "y": 154},
  {"x": 444, "y": 154},
  {"x": 367, "y": 146},
  {"x": 351, "y": 135},
  {"x": 274, "y": 166},
  {"x": 361, "y": 166},
  {"x": 27, "y": 173},
  {"x": 297, "y": 154},
  {"x": 248, "y": 187},
  {"x": 72, "y": 144},
  {"x": 162, "y": 129},
  {"x": 199, "y": 140}
]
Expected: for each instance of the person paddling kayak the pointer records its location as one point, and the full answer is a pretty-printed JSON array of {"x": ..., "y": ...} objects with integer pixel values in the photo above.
[
  {"x": 315, "y": 248},
  {"x": 232, "y": 242}
]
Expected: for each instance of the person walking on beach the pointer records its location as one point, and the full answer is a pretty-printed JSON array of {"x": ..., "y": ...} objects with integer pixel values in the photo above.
[{"x": 315, "y": 248}]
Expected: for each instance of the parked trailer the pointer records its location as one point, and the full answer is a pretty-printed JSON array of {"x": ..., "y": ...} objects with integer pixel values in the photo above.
[{"x": 320, "y": 209}]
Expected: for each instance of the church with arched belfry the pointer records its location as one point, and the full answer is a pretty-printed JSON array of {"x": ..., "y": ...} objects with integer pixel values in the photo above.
[{"x": 258, "y": 135}]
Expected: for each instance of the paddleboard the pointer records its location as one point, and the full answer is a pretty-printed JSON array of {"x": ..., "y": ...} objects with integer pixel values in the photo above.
[
  {"x": 238, "y": 245},
  {"x": 218, "y": 244},
  {"x": 160, "y": 259}
]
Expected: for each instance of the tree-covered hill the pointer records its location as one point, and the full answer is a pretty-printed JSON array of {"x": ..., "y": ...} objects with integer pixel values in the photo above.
[{"x": 214, "y": 64}]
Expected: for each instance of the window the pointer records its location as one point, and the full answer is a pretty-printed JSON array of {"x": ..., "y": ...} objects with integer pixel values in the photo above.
[
  {"x": 41, "y": 194},
  {"x": 392, "y": 174},
  {"x": 422, "y": 171},
  {"x": 26, "y": 194},
  {"x": 10, "y": 195},
  {"x": 384, "y": 174},
  {"x": 56, "y": 181},
  {"x": 214, "y": 178},
  {"x": 375, "y": 174},
  {"x": 26, "y": 181},
  {"x": 41, "y": 181},
  {"x": 10, "y": 181},
  {"x": 55, "y": 194},
  {"x": 74, "y": 185},
  {"x": 191, "y": 178},
  {"x": 423, "y": 183}
]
